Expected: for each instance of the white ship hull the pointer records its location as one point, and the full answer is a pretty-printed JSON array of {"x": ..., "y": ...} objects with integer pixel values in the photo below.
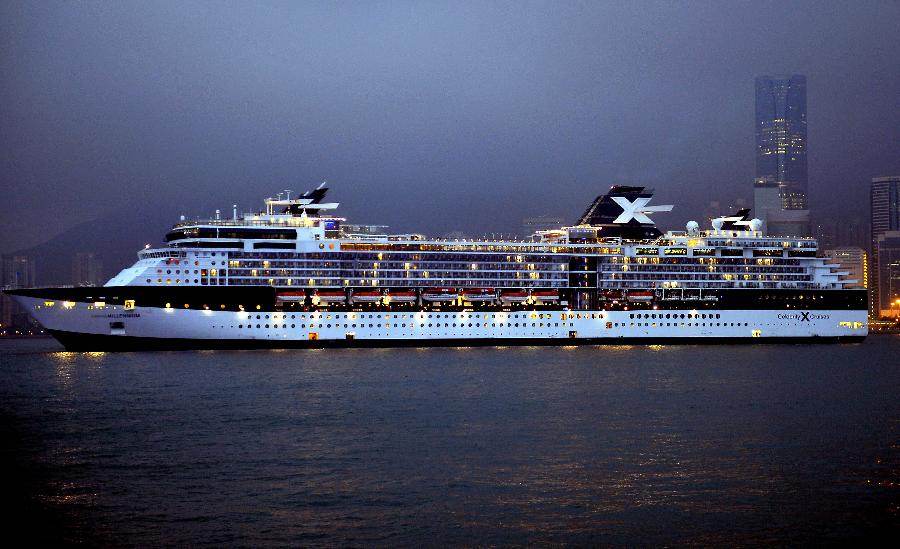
[{"x": 114, "y": 327}]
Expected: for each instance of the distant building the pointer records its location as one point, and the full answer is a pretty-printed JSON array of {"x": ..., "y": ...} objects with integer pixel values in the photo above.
[
  {"x": 781, "y": 136},
  {"x": 16, "y": 271},
  {"x": 888, "y": 269},
  {"x": 852, "y": 233},
  {"x": 87, "y": 270},
  {"x": 884, "y": 201},
  {"x": 766, "y": 199},
  {"x": 788, "y": 223},
  {"x": 541, "y": 223},
  {"x": 855, "y": 261},
  {"x": 768, "y": 206},
  {"x": 824, "y": 234}
]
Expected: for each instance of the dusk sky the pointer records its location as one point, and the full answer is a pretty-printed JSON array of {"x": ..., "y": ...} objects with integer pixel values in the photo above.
[{"x": 426, "y": 116}]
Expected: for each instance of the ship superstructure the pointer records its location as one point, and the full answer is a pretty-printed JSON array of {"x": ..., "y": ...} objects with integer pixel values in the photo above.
[{"x": 294, "y": 274}]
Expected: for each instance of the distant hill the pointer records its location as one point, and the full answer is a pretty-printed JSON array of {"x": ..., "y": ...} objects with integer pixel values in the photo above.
[{"x": 114, "y": 238}]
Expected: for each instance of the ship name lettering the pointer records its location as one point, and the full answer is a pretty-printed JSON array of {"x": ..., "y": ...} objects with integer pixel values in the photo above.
[{"x": 803, "y": 317}]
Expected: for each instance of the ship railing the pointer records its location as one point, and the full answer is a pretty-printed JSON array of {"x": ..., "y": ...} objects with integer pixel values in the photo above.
[{"x": 286, "y": 222}]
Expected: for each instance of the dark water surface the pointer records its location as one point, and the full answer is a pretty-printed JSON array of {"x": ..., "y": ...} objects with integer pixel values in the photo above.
[{"x": 720, "y": 445}]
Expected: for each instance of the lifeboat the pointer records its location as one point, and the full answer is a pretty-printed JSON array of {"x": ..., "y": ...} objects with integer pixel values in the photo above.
[
  {"x": 402, "y": 297},
  {"x": 299, "y": 295},
  {"x": 373, "y": 296},
  {"x": 514, "y": 296},
  {"x": 545, "y": 295},
  {"x": 331, "y": 297},
  {"x": 640, "y": 295},
  {"x": 612, "y": 295},
  {"x": 440, "y": 294},
  {"x": 479, "y": 294}
]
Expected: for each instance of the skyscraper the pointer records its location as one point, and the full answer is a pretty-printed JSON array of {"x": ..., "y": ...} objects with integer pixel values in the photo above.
[
  {"x": 884, "y": 199},
  {"x": 16, "y": 271},
  {"x": 781, "y": 136},
  {"x": 87, "y": 269},
  {"x": 888, "y": 269}
]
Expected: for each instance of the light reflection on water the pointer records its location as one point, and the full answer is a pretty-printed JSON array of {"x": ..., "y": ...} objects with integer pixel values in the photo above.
[{"x": 459, "y": 446}]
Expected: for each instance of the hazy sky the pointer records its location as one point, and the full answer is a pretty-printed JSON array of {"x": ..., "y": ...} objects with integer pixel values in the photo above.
[{"x": 428, "y": 116}]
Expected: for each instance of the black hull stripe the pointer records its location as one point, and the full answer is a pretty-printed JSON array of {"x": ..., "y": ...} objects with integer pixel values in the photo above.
[
  {"x": 74, "y": 341},
  {"x": 231, "y": 298}
]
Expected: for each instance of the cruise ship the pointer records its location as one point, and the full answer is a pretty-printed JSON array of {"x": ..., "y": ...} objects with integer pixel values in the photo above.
[{"x": 295, "y": 275}]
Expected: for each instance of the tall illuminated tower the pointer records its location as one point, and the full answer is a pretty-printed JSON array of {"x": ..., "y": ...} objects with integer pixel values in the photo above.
[
  {"x": 884, "y": 201},
  {"x": 781, "y": 137}
]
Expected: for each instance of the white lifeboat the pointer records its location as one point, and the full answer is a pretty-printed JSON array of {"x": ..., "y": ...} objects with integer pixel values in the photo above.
[
  {"x": 545, "y": 295},
  {"x": 514, "y": 296},
  {"x": 399, "y": 296},
  {"x": 367, "y": 296},
  {"x": 294, "y": 296},
  {"x": 440, "y": 294},
  {"x": 331, "y": 296},
  {"x": 479, "y": 294},
  {"x": 640, "y": 295},
  {"x": 611, "y": 295}
]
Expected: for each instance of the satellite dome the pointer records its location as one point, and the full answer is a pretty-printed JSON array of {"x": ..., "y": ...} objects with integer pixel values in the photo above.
[
  {"x": 717, "y": 223},
  {"x": 693, "y": 228},
  {"x": 755, "y": 224}
]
